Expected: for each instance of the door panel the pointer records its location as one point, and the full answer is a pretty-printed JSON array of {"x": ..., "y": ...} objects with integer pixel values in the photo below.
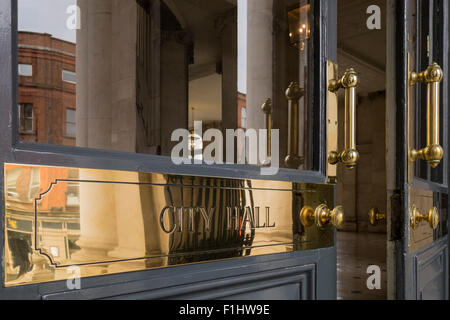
[
  {"x": 419, "y": 216},
  {"x": 308, "y": 272},
  {"x": 114, "y": 91},
  {"x": 432, "y": 272}
]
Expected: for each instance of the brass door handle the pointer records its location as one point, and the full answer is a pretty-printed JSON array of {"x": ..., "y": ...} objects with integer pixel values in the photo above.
[
  {"x": 433, "y": 152},
  {"x": 293, "y": 95},
  {"x": 322, "y": 216},
  {"x": 375, "y": 216},
  {"x": 415, "y": 217},
  {"x": 350, "y": 155}
]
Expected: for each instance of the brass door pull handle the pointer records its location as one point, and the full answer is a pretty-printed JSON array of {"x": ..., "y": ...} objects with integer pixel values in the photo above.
[
  {"x": 322, "y": 216},
  {"x": 267, "y": 109},
  {"x": 433, "y": 152},
  {"x": 293, "y": 95},
  {"x": 350, "y": 155},
  {"x": 375, "y": 216},
  {"x": 432, "y": 217}
]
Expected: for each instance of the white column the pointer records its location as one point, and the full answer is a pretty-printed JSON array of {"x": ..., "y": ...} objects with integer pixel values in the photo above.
[
  {"x": 259, "y": 61},
  {"x": 99, "y": 74},
  {"x": 97, "y": 216},
  {"x": 123, "y": 76},
  {"x": 82, "y": 75}
]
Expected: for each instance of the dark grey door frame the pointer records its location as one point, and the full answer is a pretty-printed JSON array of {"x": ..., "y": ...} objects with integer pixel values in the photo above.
[
  {"x": 318, "y": 269},
  {"x": 409, "y": 264}
]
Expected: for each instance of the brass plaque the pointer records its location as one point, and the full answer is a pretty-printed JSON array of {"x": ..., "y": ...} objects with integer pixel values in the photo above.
[{"x": 99, "y": 222}]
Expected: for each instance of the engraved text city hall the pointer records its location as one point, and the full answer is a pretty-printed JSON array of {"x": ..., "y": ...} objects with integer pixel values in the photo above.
[{"x": 180, "y": 219}]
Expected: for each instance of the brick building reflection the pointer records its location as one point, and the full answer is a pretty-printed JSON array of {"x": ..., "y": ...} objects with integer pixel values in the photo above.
[
  {"x": 47, "y": 89},
  {"x": 46, "y": 108}
]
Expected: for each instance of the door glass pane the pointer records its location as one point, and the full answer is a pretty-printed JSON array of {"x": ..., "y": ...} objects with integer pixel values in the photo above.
[{"x": 170, "y": 78}]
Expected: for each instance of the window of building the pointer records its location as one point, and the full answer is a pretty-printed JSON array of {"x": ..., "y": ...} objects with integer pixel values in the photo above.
[
  {"x": 26, "y": 118},
  {"x": 71, "y": 123},
  {"x": 25, "y": 70},
  {"x": 69, "y": 76},
  {"x": 72, "y": 195},
  {"x": 28, "y": 187}
]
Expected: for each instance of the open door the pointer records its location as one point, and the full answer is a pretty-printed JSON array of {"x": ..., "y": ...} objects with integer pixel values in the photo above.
[
  {"x": 418, "y": 158},
  {"x": 90, "y": 189}
]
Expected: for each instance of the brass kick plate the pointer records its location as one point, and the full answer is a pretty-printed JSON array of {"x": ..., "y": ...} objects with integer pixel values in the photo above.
[{"x": 332, "y": 122}]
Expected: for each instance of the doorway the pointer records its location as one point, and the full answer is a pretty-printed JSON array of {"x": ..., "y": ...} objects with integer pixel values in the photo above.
[{"x": 360, "y": 243}]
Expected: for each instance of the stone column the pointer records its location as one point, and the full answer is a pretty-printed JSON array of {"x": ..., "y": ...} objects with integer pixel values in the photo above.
[
  {"x": 99, "y": 74},
  {"x": 129, "y": 223},
  {"x": 174, "y": 85},
  {"x": 227, "y": 28},
  {"x": 106, "y": 119},
  {"x": 82, "y": 88},
  {"x": 260, "y": 60},
  {"x": 123, "y": 76},
  {"x": 97, "y": 216}
]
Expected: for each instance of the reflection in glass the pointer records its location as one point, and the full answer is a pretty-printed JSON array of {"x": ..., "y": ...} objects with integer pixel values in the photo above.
[{"x": 123, "y": 75}]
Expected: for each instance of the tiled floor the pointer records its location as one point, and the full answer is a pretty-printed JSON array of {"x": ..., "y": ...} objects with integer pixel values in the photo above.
[{"x": 356, "y": 252}]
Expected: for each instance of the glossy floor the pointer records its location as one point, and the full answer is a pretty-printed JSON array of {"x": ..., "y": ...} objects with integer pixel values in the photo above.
[{"x": 356, "y": 252}]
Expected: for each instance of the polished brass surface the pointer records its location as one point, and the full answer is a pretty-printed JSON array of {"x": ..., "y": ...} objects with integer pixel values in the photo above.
[
  {"x": 411, "y": 118},
  {"x": 105, "y": 222},
  {"x": 267, "y": 109},
  {"x": 332, "y": 122},
  {"x": 432, "y": 217},
  {"x": 350, "y": 155},
  {"x": 433, "y": 153},
  {"x": 293, "y": 95},
  {"x": 322, "y": 216},
  {"x": 375, "y": 216}
]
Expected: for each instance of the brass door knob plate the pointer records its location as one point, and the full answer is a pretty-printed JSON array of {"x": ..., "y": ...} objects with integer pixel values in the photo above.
[
  {"x": 375, "y": 216},
  {"x": 322, "y": 216},
  {"x": 432, "y": 217}
]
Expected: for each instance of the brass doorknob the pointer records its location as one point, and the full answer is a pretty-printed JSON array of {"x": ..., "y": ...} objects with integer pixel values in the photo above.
[
  {"x": 432, "y": 217},
  {"x": 322, "y": 216},
  {"x": 433, "y": 152},
  {"x": 350, "y": 155},
  {"x": 376, "y": 216}
]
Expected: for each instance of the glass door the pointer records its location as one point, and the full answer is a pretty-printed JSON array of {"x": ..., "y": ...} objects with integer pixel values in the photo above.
[{"x": 166, "y": 136}]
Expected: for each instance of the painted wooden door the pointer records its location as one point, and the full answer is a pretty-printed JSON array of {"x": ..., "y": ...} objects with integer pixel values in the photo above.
[
  {"x": 84, "y": 172},
  {"x": 418, "y": 239}
]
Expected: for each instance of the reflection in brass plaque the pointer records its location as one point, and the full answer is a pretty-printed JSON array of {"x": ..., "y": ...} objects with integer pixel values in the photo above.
[{"x": 105, "y": 222}]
